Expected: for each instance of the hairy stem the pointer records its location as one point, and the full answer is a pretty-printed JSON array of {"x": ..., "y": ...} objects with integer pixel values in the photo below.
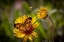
[
  {"x": 25, "y": 39},
  {"x": 52, "y": 28},
  {"x": 32, "y": 38}
]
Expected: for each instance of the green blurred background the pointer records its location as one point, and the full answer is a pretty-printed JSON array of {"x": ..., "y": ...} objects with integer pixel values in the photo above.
[{"x": 12, "y": 9}]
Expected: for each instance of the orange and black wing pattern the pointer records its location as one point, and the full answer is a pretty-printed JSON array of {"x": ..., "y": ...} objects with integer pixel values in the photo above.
[{"x": 17, "y": 25}]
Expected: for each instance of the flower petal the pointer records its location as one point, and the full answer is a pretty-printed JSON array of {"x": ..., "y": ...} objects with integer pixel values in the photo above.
[
  {"x": 19, "y": 20},
  {"x": 24, "y": 18},
  {"x": 34, "y": 34},
  {"x": 16, "y": 30},
  {"x": 25, "y": 38},
  {"x": 18, "y": 33},
  {"x": 33, "y": 20},
  {"x": 35, "y": 25},
  {"x": 30, "y": 37},
  {"x": 38, "y": 15}
]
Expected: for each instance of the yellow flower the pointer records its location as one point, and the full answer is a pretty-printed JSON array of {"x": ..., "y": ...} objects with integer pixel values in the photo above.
[
  {"x": 24, "y": 27},
  {"x": 42, "y": 13}
]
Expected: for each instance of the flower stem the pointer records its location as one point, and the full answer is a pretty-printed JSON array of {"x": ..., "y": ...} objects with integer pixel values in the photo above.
[
  {"x": 52, "y": 28},
  {"x": 32, "y": 39},
  {"x": 25, "y": 39}
]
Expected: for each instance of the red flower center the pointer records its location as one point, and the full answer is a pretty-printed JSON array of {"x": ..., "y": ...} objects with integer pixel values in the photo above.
[{"x": 29, "y": 30}]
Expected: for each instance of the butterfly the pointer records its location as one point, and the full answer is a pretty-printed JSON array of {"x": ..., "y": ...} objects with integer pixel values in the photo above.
[{"x": 25, "y": 25}]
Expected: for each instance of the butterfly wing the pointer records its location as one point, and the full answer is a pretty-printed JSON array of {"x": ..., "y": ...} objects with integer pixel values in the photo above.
[{"x": 17, "y": 25}]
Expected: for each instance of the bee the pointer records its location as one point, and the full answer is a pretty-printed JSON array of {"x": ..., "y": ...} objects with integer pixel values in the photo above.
[{"x": 25, "y": 25}]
